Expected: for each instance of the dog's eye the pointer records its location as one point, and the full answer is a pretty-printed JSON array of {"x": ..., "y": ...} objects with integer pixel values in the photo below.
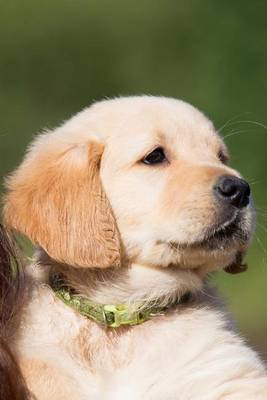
[
  {"x": 157, "y": 156},
  {"x": 224, "y": 158}
]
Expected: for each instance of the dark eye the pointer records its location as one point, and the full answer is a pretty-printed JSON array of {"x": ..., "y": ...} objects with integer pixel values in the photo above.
[
  {"x": 157, "y": 156},
  {"x": 224, "y": 158}
]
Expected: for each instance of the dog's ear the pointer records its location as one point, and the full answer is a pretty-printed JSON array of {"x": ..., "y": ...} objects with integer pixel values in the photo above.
[{"x": 56, "y": 199}]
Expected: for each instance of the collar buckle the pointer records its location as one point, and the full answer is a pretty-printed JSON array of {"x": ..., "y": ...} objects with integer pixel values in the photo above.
[{"x": 115, "y": 316}]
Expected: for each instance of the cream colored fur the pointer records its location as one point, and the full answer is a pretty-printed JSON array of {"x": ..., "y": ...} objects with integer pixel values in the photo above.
[{"x": 84, "y": 196}]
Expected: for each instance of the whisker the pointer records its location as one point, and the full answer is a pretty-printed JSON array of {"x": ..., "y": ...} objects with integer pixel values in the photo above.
[
  {"x": 232, "y": 119},
  {"x": 256, "y": 123},
  {"x": 260, "y": 124},
  {"x": 264, "y": 209},
  {"x": 260, "y": 211},
  {"x": 262, "y": 227},
  {"x": 236, "y": 133},
  {"x": 255, "y": 181},
  {"x": 262, "y": 248}
]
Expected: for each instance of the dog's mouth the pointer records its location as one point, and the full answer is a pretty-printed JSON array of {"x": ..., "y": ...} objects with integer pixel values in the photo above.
[
  {"x": 233, "y": 232},
  {"x": 229, "y": 233},
  {"x": 229, "y": 230}
]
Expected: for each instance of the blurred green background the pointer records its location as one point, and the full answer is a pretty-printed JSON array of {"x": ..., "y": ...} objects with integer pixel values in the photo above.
[{"x": 56, "y": 57}]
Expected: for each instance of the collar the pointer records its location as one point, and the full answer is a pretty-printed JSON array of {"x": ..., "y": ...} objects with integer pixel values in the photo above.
[{"x": 110, "y": 315}]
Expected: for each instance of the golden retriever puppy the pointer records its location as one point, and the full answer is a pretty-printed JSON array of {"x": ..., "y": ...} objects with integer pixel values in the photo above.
[{"x": 131, "y": 204}]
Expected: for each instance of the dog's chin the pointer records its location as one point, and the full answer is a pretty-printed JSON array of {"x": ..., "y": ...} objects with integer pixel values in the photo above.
[
  {"x": 226, "y": 236},
  {"x": 234, "y": 232},
  {"x": 217, "y": 246}
]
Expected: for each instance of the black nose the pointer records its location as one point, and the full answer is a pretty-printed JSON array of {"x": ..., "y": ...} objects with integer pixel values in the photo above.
[{"x": 232, "y": 190}]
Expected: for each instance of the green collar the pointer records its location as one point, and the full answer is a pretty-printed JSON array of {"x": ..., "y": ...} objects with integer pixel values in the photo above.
[{"x": 112, "y": 316}]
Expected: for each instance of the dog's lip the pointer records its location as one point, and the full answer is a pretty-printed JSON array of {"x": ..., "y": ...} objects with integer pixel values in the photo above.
[
  {"x": 216, "y": 233},
  {"x": 227, "y": 228}
]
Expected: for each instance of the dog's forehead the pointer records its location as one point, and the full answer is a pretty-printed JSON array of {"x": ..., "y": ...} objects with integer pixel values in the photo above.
[
  {"x": 146, "y": 114},
  {"x": 138, "y": 123}
]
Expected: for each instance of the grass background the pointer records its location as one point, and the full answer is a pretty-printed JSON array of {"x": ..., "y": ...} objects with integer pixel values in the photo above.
[{"x": 56, "y": 57}]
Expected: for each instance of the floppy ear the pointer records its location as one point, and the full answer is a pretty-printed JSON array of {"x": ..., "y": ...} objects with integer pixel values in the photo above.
[{"x": 57, "y": 200}]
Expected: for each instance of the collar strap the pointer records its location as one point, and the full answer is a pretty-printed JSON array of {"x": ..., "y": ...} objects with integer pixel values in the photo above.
[{"x": 110, "y": 315}]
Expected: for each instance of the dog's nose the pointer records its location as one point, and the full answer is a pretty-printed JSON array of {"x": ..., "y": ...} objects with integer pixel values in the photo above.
[{"x": 232, "y": 190}]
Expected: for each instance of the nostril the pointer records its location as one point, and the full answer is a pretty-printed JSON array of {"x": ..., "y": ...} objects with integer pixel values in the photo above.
[
  {"x": 233, "y": 190},
  {"x": 247, "y": 190},
  {"x": 227, "y": 187}
]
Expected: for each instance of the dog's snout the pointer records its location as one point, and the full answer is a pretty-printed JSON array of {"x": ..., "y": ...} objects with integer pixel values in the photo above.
[{"x": 232, "y": 190}]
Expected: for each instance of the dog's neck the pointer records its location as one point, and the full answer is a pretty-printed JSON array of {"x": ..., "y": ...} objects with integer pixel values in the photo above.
[{"x": 125, "y": 285}]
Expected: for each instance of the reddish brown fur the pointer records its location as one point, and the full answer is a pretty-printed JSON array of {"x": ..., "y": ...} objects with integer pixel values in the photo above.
[
  {"x": 62, "y": 207},
  {"x": 12, "y": 385}
]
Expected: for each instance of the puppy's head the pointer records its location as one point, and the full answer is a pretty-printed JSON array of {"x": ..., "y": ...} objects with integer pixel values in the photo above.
[{"x": 147, "y": 175}]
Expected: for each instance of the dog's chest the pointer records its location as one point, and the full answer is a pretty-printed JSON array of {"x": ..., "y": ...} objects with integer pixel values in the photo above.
[
  {"x": 93, "y": 363},
  {"x": 63, "y": 345},
  {"x": 65, "y": 355}
]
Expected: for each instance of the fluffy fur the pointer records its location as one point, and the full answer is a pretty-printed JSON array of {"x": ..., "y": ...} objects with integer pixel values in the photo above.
[{"x": 121, "y": 231}]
